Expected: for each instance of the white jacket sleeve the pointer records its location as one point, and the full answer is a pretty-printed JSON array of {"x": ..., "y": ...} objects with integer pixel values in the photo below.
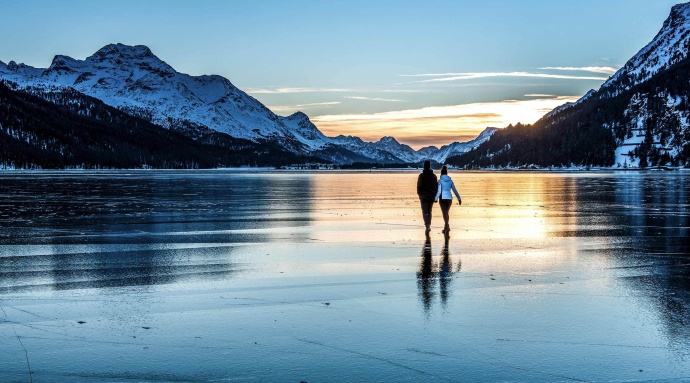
[
  {"x": 452, "y": 185},
  {"x": 438, "y": 192}
]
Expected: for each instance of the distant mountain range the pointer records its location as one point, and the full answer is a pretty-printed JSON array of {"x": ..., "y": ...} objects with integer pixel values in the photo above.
[
  {"x": 135, "y": 81},
  {"x": 640, "y": 117}
]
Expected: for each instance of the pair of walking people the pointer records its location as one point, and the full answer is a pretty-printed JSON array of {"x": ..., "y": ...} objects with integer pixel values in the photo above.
[{"x": 430, "y": 189}]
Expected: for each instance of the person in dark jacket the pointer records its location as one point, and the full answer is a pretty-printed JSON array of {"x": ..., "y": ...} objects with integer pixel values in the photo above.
[{"x": 426, "y": 190}]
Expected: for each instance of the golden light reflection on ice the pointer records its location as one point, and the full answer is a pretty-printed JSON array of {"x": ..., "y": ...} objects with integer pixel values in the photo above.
[
  {"x": 495, "y": 205},
  {"x": 524, "y": 220}
]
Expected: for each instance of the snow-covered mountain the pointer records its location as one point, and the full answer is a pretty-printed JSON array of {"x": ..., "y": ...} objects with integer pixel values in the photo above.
[
  {"x": 134, "y": 80},
  {"x": 388, "y": 149},
  {"x": 456, "y": 148},
  {"x": 639, "y": 117}
]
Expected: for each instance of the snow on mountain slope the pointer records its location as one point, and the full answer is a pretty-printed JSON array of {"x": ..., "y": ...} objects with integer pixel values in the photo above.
[
  {"x": 305, "y": 131},
  {"x": 368, "y": 149},
  {"x": 402, "y": 151},
  {"x": 18, "y": 72},
  {"x": 457, "y": 148},
  {"x": 655, "y": 130},
  {"x": 669, "y": 46},
  {"x": 386, "y": 147}
]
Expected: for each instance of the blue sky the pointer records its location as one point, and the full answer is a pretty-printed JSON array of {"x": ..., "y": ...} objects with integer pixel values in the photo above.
[{"x": 355, "y": 66}]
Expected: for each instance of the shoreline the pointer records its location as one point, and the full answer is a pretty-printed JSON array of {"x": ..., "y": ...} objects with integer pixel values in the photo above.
[{"x": 380, "y": 170}]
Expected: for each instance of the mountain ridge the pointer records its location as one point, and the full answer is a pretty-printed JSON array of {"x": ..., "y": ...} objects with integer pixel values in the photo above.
[{"x": 133, "y": 79}]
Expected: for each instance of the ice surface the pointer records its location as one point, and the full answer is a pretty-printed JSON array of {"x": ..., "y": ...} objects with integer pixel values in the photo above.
[{"x": 328, "y": 277}]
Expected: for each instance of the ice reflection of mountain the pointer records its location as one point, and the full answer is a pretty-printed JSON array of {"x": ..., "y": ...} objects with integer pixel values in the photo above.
[
  {"x": 655, "y": 211},
  {"x": 101, "y": 230}
]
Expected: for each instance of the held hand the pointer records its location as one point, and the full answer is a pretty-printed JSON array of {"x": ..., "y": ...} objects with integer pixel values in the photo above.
[{"x": 436, "y": 200}]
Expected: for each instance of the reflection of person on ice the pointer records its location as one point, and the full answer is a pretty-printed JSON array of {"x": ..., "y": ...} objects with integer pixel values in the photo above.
[
  {"x": 429, "y": 272},
  {"x": 426, "y": 189},
  {"x": 445, "y": 272},
  {"x": 445, "y": 185}
]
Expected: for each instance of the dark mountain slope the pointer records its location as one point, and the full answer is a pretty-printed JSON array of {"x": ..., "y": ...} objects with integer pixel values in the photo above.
[{"x": 589, "y": 132}]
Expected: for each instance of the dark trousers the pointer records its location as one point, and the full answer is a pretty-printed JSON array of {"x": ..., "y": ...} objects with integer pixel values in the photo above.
[
  {"x": 445, "y": 208},
  {"x": 426, "y": 211}
]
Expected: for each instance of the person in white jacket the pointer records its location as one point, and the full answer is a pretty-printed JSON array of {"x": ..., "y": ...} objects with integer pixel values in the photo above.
[{"x": 445, "y": 185}]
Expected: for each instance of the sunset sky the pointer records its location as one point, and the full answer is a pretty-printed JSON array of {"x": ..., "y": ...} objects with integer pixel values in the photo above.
[{"x": 425, "y": 72}]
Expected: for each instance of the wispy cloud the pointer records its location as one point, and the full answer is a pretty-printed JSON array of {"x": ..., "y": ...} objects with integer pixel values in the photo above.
[
  {"x": 539, "y": 95},
  {"x": 295, "y": 90},
  {"x": 292, "y": 90},
  {"x": 439, "y": 125},
  {"x": 399, "y": 90},
  {"x": 442, "y": 77},
  {"x": 318, "y": 104},
  {"x": 287, "y": 108},
  {"x": 593, "y": 69},
  {"x": 373, "y": 99}
]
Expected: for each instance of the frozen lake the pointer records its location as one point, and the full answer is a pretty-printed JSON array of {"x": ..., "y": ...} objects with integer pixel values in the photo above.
[{"x": 212, "y": 276}]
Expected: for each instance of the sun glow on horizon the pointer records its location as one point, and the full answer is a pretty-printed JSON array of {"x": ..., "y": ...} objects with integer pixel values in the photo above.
[{"x": 438, "y": 125}]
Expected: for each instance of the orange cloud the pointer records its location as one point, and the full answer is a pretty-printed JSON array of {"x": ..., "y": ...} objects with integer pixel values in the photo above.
[
  {"x": 438, "y": 125},
  {"x": 443, "y": 77}
]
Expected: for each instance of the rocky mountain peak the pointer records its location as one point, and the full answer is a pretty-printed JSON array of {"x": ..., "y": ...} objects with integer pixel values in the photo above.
[
  {"x": 12, "y": 66},
  {"x": 128, "y": 57},
  {"x": 680, "y": 14},
  {"x": 487, "y": 132},
  {"x": 298, "y": 116},
  {"x": 123, "y": 51},
  {"x": 388, "y": 140},
  {"x": 61, "y": 62},
  {"x": 670, "y": 46}
]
